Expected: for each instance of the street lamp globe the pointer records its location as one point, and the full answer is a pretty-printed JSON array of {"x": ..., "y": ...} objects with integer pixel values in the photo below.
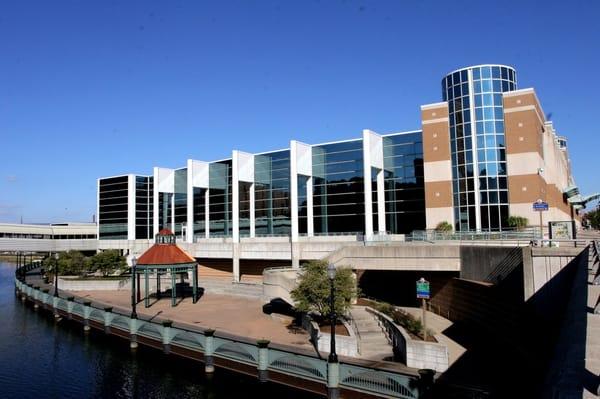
[{"x": 331, "y": 271}]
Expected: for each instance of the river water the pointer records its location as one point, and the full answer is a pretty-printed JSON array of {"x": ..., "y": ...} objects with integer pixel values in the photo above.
[{"x": 43, "y": 359}]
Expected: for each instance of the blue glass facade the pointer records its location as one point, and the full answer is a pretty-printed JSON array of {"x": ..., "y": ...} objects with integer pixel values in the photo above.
[
  {"x": 338, "y": 188},
  {"x": 144, "y": 206},
  {"x": 220, "y": 198},
  {"x": 271, "y": 194},
  {"x": 404, "y": 182},
  {"x": 113, "y": 208},
  {"x": 477, "y": 144},
  {"x": 180, "y": 200}
]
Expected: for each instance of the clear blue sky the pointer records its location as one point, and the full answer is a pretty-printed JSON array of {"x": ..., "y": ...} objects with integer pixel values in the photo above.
[{"x": 99, "y": 88}]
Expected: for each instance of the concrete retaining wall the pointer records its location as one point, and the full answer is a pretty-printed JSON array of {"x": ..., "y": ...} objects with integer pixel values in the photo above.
[
  {"x": 414, "y": 353},
  {"x": 344, "y": 345},
  {"x": 76, "y": 284},
  {"x": 399, "y": 256}
]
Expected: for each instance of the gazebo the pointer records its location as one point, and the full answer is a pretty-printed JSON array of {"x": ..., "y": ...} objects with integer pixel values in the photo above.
[{"x": 162, "y": 258}]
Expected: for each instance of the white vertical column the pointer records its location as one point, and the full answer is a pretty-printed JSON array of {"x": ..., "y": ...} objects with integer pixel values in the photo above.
[
  {"x": 294, "y": 188},
  {"x": 155, "y": 202},
  {"x": 131, "y": 207},
  {"x": 373, "y": 158},
  {"x": 172, "y": 201},
  {"x": 235, "y": 212},
  {"x": 207, "y": 214},
  {"x": 98, "y": 209},
  {"x": 252, "y": 216},
  {"x": 367, "y": 184},
  {"x": 381, "y": 201},
  {"x": 235, "y": 197},
  {"x": 310, "y": 223},
  {"x": 189, "y": 232}
]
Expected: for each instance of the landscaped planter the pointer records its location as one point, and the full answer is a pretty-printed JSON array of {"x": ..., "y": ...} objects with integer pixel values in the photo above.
[{"x": 414, "y": 353}]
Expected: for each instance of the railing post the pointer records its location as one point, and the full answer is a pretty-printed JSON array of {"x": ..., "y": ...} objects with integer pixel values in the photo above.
[
  {"x": 87, "y": 310},
  {"x": 70, "y": 306},
  {"x": 166, "y": 336},
  {"x": 55, "y": 306},
  {"x": 209, "y": 366},
  {"x": 108, "y": 316},
  {"x": 263, "y": 360},
  {"x": 134, "y": 325},
  {"x": 333, "y": 380}
]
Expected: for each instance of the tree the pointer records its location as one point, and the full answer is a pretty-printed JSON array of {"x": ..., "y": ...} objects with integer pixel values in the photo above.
[
  {"x": 72, "y": 263},
  {"x": 107, "y": 262},
  {"x": 313, "y": 290},
  {"x": 593, "y": 218},
  {"x": 518, "y": 222}
]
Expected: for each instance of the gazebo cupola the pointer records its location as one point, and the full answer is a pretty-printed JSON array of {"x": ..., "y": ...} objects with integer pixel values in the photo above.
[{"x": 162, "y": 258}]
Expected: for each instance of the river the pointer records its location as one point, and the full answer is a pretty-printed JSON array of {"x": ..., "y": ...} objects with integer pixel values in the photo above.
[{"x": 43, "y": 359}]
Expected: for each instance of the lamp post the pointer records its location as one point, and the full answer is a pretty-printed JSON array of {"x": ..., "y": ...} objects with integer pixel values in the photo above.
[
  {"x": 133, "y": 276},
  {"x": 56, "y": 275},
  {"x": 331, "y": 274},
  {"x": 333, "y": 367}
]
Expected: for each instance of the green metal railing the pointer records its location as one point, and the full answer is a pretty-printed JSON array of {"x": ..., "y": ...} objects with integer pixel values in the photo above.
[
  {"x": 434, "y": 235},
  {"x": 369, "y": 380}
]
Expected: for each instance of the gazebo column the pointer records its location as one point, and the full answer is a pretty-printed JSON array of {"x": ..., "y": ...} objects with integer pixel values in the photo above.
[
  {"x": 173, "y": 290},
  {"x": 157, "y": 284},
  {"x": 146, "y": 289},
  {"x": 195, "y": 284}
]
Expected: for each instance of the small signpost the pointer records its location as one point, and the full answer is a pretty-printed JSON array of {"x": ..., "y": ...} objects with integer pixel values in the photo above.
[
  {"x": 540, "y": 206},
  {"x": 423, "y": 294}
]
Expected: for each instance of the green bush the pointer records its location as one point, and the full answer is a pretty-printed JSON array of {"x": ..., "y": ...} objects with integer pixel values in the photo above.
[
  {"x": 107, "y": 262},
  {"x": 402, "y": 318},
  {"x": 443, "y": 227},
  {"x": 518, "y": 222}
]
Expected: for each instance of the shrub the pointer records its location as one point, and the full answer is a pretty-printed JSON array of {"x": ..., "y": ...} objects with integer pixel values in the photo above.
[
  {"x": 518, "y": 222},
  {"x": 402, "y": 318},
  {"x": 443, "y": 227},
  {"x": 107, "y": 262}
]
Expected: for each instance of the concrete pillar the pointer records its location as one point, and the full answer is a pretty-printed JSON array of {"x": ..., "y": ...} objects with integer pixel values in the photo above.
[
  {"x": 236, "y": 261},
  {"x": 295, "y": 254}
]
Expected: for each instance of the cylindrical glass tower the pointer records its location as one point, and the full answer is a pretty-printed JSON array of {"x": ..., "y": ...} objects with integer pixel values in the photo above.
[{"x": 474, "y": 96}]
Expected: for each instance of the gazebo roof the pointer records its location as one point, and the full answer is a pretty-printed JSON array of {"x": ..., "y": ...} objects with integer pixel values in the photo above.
[{"x": 165, "y": 252}]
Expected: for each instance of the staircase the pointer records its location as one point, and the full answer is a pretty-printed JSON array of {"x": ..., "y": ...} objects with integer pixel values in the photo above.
[{"x": 373, "y": 342}]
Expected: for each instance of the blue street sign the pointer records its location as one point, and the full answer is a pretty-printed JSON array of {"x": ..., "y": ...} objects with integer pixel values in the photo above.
[
  {"x": 540, "y": 206},
  {"x": 423, "y": 289}
]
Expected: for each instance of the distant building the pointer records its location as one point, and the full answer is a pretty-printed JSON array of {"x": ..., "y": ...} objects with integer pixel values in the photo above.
[{"x": 486, "y": 152}]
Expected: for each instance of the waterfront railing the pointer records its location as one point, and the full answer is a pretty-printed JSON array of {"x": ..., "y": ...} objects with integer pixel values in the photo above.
[{"x": 239, "y": 353}]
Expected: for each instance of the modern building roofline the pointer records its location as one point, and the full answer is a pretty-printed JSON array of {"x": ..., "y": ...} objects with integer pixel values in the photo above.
[
  {"x": 481, "y": 65},
  {"x": 434, "y": 105}
]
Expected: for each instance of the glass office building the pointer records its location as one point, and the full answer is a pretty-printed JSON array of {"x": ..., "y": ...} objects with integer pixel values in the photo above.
[
  {"x": 404, "y": 184},
  {"x": 338, "y": 188},
  {"x": 113, "y": 194},
  {"x": 477, "y": 142},
  {"x": 453, "y": 170},
  {"x": 272, "y": 195}
]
